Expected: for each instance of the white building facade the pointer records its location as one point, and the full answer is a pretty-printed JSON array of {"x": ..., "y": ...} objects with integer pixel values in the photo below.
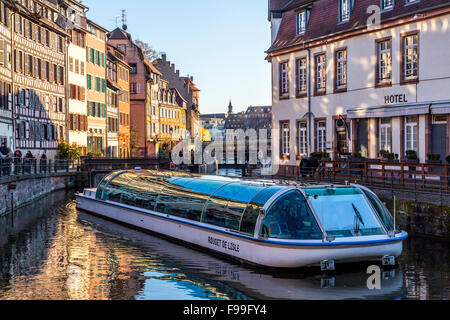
[
  {"x": 77, "y": 79},
  {"x": 342, "y": 87}
]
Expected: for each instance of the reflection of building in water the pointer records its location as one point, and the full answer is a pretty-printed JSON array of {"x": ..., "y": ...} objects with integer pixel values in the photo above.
[{"x": 64, "y": 260}]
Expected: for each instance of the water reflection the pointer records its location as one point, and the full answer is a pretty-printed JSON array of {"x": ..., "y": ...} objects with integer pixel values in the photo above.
[{"x": 51, "y": 251}]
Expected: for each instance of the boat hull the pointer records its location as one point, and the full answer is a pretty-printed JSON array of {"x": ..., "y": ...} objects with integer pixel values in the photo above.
[{"x": 267, "y": 253}]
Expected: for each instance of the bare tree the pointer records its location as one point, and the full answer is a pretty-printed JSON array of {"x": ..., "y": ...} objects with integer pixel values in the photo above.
[
  {"x": 134, "y": 141},
  {"x": 149, "y": 53}
]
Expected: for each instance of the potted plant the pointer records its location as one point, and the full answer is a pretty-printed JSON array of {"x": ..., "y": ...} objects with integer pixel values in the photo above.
[
  {"x": 321, "y": 156},
  {"x": 411, "y": 156},
  {"x": 389, "y": 156},
  {"x": 356, "y": 156},
  {"x": 382, "y": 153},
  {"x": 433, "y": 158}
]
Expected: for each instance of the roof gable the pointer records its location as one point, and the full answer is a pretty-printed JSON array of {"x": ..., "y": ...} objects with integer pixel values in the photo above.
[{"x": 323, "y": 19}]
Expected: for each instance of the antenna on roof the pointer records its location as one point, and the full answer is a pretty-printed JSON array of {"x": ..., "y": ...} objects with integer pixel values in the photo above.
[{"x": 124, "y": 20}]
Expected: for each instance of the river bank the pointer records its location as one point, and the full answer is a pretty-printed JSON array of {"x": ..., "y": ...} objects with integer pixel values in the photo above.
[{"x": 19, "y": 191}]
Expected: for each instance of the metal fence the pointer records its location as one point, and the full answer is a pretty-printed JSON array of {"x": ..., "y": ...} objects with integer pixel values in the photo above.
[
  {"x": 31, "y": 166},
  {"x": 90, "y": 164},
  {"x": 405, "y": 176}
]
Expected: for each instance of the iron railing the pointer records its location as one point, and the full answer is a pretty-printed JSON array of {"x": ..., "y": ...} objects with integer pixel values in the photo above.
[
  {"x": 31, "y": 166},
  {"x": 415, "y": 177}
]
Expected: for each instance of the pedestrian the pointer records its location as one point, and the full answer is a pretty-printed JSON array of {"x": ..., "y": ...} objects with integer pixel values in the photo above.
[
  {"x": 5, "y": 160},
  {"x": 28, "y": 161},
  {"x": 17, "y": 162},
  {"x": 43, "y": 163},
  {"x": 304, "y": 167}
]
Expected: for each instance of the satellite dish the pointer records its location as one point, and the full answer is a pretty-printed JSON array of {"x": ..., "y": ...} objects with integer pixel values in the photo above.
[{"x": 125, "y": 27}]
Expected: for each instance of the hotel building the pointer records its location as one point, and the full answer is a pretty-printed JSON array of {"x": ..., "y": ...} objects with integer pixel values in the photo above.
[{"x": 360, "y": 76}]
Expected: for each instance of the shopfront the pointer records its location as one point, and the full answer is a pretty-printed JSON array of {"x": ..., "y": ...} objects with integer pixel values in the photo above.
[{"x": 420, "y": 127}]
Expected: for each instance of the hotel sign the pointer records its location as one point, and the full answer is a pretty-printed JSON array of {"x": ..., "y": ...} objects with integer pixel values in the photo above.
[{"x": 395, "y": 98}]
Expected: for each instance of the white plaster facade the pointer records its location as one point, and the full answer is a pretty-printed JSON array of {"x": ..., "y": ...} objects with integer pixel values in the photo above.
[
  {"x": 78, "y": 56},
  {"x": 362, "y": 93}
]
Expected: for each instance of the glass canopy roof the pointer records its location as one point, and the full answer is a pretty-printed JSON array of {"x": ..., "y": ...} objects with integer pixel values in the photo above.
[
  {"x": 220, "y": 201},
  {"x": 235, "y": 204}
]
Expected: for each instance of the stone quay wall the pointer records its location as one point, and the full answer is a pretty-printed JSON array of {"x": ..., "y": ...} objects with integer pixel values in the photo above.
[{"x": 22, "y": 190}]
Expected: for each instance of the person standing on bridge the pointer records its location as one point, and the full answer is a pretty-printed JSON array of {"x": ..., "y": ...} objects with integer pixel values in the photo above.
[
  {"x": 5, "y": 161},
  {"x": 17, "y": 162},
  {"x": 43, "y": 163},
  {"x": 28, "y": 161}
]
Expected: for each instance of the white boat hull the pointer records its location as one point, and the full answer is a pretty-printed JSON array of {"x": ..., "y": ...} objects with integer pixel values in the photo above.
[{"x": 268, "y": 253}]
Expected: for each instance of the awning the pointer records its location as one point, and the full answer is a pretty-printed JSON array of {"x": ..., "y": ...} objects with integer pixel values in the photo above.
[
  {"x": 389, "y": 111},
  {"x": 440, "y": 107}
]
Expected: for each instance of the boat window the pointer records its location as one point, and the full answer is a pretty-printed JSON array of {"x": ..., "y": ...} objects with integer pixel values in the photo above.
[
  {"x": 113, "y": 191},
  {"x": 142, "y": 192},
  {"x": 290, "y": 217},
  {"x": 181, "y": 201},
  {"x": 383, "y": 213},
  {"x": 103, "y": 183},
  {"x": 344, "y": 212},
  {"x": 217, "y": 215},
  {"x": 226, "y": 207},
  {"x": 254, "y": 208}
]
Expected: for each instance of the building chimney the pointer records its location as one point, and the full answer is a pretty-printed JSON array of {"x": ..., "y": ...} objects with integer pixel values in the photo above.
[
  {"x": 178, "y": 73},
  {"x": 164, "y": 57},
  {"x": 192, "y": 78}
]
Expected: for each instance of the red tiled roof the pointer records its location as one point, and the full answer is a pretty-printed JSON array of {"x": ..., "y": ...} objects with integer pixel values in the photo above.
[
  {"x": 152, "y": 67},
  {"x": 323, "y": 20},
  {"x": 118, "y": 34},
  {"x": 277, "y": 5}
]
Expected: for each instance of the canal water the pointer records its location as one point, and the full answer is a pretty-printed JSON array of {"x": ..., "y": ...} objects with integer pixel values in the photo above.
[{"x": 49, "y": 250}]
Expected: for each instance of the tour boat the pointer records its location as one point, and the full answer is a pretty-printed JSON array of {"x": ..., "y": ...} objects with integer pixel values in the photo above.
[{"x": 263, "y": 223}]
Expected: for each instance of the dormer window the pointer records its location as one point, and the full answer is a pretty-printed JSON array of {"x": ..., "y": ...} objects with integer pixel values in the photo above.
[
  {"x": 302, "y": 21},
  {"x": 344, "y": 10},
  {"x": 387, "y": 4}
]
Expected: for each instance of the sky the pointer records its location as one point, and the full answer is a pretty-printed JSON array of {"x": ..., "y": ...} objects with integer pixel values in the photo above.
[{"x": 220, "y": 43}]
